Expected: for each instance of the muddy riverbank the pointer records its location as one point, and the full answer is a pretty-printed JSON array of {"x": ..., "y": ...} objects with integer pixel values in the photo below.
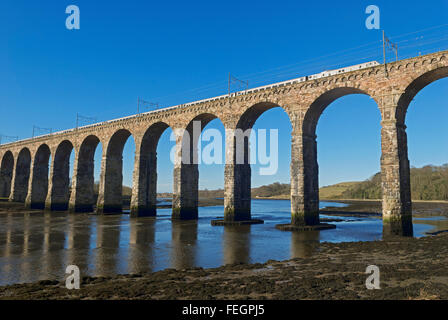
[{"x": 373, "y": 207}]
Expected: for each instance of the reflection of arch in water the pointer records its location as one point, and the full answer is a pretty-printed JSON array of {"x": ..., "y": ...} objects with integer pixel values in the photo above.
[
  {"x": 141, "y": 244},
  {"x": 184, "y": 235},
  {"x": 79, "y": 229},
  {"x": 304, "y": 244},
  {"x": 236, "y": 244},
  {"x": 107, "y": 244},
  {"x": 53, "y": 253}
]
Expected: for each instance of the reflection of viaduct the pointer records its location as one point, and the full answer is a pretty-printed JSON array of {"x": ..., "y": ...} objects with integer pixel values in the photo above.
[{"x": 24, "y": 164}]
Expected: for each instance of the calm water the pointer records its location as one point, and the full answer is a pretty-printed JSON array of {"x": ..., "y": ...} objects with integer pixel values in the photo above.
[{"x": 40, "y": 245}]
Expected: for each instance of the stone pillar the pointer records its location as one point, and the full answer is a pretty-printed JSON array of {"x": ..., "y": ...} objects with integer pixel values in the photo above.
[
  {"x": 304, "y": 180},
  {"x": 186, "y": 177},
  {"x": 144, "y": 184},
  {"x": 59, "y": 182},
  {"x": 237, "y": 184},
  {"x": 20, "y": 178},
  {"x": 185, "y": 191},
  {"x": 82, "y": 198},
  {"x": 395, "y": 176},
  {"x": 38, "y": 186},
  {"x": 110, "y": 196}
]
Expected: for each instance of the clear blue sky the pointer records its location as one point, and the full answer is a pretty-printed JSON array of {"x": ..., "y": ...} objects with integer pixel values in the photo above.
[{"x": 164, "y": 51}]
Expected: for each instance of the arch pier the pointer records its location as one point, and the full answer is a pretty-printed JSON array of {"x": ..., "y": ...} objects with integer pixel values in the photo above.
[{"x": 27, "y": 174}]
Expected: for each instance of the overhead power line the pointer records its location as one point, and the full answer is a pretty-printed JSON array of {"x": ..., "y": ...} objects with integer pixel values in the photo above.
[
  {"x": 147, "y": 104},
  {"x": 84, "y": 119},
  {"x": 4, "y": 138},
  {"x": 37, "y": 130},
  {"x": 371, "y": 49}
]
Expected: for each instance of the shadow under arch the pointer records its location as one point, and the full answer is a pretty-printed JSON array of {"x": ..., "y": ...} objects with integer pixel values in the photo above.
[
  {"x": 237, "y": 197},
  {"x": 144, "y": 195},
  {"x": 415, "y": 87},
  {"x": 59, "y": 190},
  {"x": 110, "y": 196},
  {"x": 186, "y": 172},
  {"x": 304, "y": 166},
  {"x": 82, "y": 198},
  {"x": 6, "y": 171},
  {"x": 21, "y": 176},
  {"x": 38, "y": 189}
]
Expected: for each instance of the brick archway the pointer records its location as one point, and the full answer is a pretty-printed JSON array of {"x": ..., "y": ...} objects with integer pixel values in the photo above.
[
  {"x": 110, "y": 196},
  {"x": 21, "y": 176},
  {"x": 38, "y": 188},
  {"x": 144, "y": 190},
  {"x": 59, "y": 186},
  {"x": 82, "y": 192},
  {"x": 186, "y": 172},
  {"x": 6, "y": 171}
]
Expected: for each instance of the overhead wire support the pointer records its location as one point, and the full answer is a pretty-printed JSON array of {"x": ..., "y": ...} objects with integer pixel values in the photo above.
[
  {"x": 10, "y": 138},
  {"x": 146, "y": 103},
  {"x": 39, "y": 129},
  {"x": 387, "y": 44},
  {"x": 240, "y": 84},
  {"x": 85, "y": 119}
]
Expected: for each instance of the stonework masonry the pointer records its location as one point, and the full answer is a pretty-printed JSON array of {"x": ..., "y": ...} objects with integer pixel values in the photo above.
[{"x": 25, "y": 164}]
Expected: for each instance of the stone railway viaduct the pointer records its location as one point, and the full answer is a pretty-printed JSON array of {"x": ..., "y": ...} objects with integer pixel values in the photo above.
[{"x": 25, "y": 164}]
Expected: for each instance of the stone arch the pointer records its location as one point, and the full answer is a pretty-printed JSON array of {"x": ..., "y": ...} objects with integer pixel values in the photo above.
[
  {"x": 237, "y": 194},
  {"x": 21, "y": 176},
  {"x": 6, "y": 171},
  {"x": 304, "y": 166},
  {"x": 318, "y": 106},
  {"x": 59, "y": 189},
  {"x": 415, "y": 87},
  {"x": 191, "y": 135},
  {"x": 251, "y": 114},
  {"x": 110, "y": 196},
  {"x": 38, "y": 189},
  {"x": 186, "y": 173},
  {"x": 144, "y": 191},
  {"x": 82, "y": 197},
  {"x": 395, "y": 168}
]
